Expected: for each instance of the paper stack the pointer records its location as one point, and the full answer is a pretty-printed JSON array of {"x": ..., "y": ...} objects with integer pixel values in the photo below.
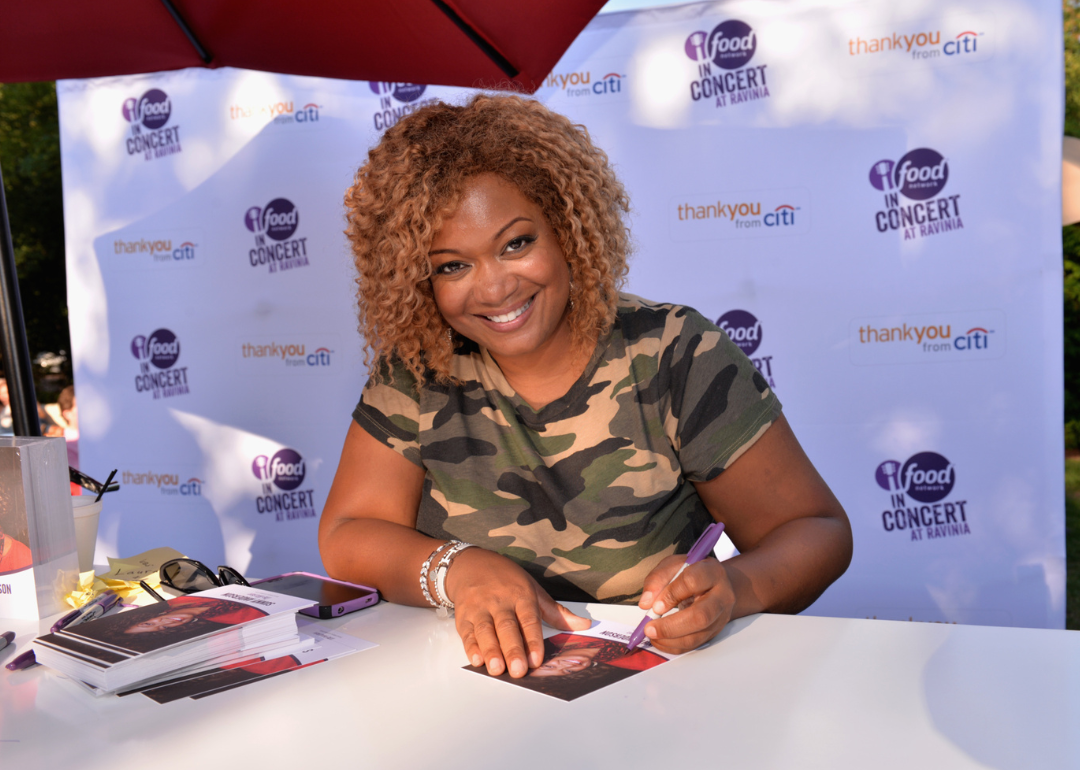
[{"x": 180, "y": 637}]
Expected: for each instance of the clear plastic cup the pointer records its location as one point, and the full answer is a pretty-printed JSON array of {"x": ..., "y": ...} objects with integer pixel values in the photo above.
[{"x": 86, "y": 512}]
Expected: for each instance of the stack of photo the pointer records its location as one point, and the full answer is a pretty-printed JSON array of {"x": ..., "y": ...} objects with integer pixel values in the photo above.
[{"x": 180, "y": 637}]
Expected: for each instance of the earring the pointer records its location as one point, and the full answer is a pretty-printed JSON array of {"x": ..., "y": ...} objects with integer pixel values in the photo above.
[{"x": 571, "y": 297}]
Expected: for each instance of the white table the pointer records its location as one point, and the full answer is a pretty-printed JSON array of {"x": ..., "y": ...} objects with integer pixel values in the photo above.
[{"x": 773, "y": 692}]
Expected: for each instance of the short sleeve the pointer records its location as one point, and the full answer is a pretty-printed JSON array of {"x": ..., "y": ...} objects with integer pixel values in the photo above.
[
  {"x": 389, "y": 410},
  {"x": 719, "y": 404}
]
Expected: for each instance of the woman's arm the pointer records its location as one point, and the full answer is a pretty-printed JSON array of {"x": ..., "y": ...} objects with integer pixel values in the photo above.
[
  {"x": 792, "y": 533},
  {"x": 368, "y": 535}
]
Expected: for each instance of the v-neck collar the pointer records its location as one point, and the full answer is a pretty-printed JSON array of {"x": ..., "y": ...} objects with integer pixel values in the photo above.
[{"x": 538, "y": 419}]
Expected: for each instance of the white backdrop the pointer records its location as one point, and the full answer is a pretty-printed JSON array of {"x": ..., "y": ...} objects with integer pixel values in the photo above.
[{"x": 866, "y": 197}]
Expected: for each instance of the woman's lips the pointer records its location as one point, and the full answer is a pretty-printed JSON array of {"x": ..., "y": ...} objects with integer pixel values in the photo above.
[{"x": 508, "y": 317}]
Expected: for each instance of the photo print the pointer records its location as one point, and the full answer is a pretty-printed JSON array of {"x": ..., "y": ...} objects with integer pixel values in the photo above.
[{"x": 576, "y": 664}]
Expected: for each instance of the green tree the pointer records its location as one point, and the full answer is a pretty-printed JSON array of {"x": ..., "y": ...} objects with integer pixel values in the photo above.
[
  {"x": 30, "y": 161},
  {"x": 1070, "y": 235}
]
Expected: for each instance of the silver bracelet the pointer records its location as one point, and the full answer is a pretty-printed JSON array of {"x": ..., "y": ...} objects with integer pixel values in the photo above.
[
  {"x": 424, "y": 572},
  {"x": 446, "y": 607}
]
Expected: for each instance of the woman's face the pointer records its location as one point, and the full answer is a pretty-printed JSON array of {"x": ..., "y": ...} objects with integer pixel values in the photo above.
[
  {"x": 567, "y": 662},
  {"x": 168, "y": 620},
  {"x": 499, "y": 275}
]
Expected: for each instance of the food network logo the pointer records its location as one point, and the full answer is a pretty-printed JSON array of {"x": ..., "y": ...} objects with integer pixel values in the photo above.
[
  {"x": 729, "y": 49},
  {"x": 159, "y": 250},
  {"x": 920, "y": 176},
  {"x": 582, "y": 84},
  {"x": 744, "y": 329},
  {"x": 151, "y": 112},
  {"x": 396, "y": 100},
  {"x": 927, "y": 478},
  {"x": 291, "y": 355},
  {"x": 160, "y": 350},
  {"x": 278, "y": 220},
  {"x": 166, "y": 483},
  {"x": 928, "y": 338},
  {"x": 740, "y": 214},
  {"x": 280, "y": 475},
  {"x": 280, "y": 113}
]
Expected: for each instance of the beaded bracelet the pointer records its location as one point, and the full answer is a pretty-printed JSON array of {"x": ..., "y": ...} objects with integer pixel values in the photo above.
[
  {"x": 445, "y": 605},
  {"x": 427, "y": 566}
]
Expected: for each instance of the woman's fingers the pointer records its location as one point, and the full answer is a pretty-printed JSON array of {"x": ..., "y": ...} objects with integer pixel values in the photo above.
[
  {"x": 558, "y": 616},
  {"x": 533, "y": 632},
  {"x": 482, "y": 632},
  {"x": 660, "y": 576},
  {"x": 707, "y": 598}
]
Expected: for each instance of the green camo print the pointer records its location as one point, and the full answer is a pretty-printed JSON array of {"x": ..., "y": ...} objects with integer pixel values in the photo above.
[{"x": 591, "y": 492}]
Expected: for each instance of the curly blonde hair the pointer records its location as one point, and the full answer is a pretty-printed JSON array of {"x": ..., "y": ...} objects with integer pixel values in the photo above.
[{"x": 413, "y": 179}]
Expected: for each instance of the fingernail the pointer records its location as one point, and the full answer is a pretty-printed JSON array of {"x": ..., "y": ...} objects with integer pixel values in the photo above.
[
  {"x": 646, "y": 600},
  {"x": 517, "y": 668},
  {"x": 650, "y": 631},
  {"x": 494, "y": 666},
  {"x": 535, "y": 659},
  {"x": 477, "y": 660},
  {"x": 659, "y": 608}
]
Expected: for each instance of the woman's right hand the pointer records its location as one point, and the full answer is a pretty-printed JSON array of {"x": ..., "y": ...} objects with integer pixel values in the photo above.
[{"x": 498, "y": 610}]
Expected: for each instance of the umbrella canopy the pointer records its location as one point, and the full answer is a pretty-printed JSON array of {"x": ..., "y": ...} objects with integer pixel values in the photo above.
[{"x": 471, "y": 43}]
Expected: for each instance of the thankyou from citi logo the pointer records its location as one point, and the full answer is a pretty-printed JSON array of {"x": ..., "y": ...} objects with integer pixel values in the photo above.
[
  {"x": 148, "y": 116},
  {"x": 282, "y": 112},
  {"x": 928, "y": 338},
  {"x": 274, "y": 226},
  {"x": 396, "y": 100},
  {"x": 584, "y": 84},
  {"x": 290, "y": 355},
  {"x": 744, "y": 329},
  {"x": 921, "y": 503},
  {"x": 740, "y": 214},
  {"x": 158, "y": 354},
  {"x": 725, "y": 75},
  {"x": 169, "y": 484},
  {"x": 159, "y": 250},
  {"x": 281, "y": 476},
  {"x": 920, "y": 177},
  {"x": 933, "y": 42}
]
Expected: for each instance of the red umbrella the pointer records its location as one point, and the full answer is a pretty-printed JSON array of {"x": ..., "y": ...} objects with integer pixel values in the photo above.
[
  {"x": 510, "y": 44},
  {"x": 482, "y": 43}
]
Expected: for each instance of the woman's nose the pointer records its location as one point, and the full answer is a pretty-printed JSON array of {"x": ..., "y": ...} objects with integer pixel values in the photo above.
[{"x": 495, "y": 283}]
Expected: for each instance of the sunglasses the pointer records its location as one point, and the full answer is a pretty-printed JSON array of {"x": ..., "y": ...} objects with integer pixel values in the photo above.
[{"x": 189, "y": 576}]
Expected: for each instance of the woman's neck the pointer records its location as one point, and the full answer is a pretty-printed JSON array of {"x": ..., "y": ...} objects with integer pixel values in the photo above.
[{"x": 541, "y": 382}]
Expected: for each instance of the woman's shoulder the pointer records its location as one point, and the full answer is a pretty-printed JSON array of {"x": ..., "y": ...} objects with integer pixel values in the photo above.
[{"x": 667, "y": 322}]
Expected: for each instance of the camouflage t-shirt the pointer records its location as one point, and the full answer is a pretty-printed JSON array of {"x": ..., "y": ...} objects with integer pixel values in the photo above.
[{"x": 589, "y": 493}]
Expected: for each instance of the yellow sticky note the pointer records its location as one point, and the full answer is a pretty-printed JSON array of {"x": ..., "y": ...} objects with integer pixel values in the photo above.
[{"x": 132, "y": 569}]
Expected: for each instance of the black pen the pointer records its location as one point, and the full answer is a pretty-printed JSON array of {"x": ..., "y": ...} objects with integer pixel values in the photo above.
[{"x": 150, "y": 591}]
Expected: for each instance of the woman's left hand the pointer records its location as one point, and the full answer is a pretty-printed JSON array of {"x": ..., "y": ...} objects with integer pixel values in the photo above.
[{"x": 704, "y": 596}]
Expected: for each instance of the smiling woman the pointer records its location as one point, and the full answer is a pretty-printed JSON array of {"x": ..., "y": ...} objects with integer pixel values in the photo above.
[{"x": 581, "y": 437}]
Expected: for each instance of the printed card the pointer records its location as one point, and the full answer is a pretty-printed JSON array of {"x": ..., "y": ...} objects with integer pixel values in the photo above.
[{"x": 576, "y": 664}]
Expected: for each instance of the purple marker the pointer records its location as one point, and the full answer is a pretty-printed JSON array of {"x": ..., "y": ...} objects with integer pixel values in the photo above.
[
  {"x": 92, "y": 610},
  {"x": 26, "y": 660},
  {"x": 700, "y": 550}
]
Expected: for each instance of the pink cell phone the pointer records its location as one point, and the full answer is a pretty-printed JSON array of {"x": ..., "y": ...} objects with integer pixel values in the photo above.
[{"x": 334, "y": 597}]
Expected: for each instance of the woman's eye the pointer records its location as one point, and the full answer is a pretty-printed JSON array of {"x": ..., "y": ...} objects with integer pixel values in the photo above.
[
  {"x": 519, "y": 243},
  {"x": 449, "y": 268}
]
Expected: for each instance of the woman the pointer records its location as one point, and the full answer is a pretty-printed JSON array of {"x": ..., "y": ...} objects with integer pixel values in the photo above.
[{"x": 581, "y": 437}]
